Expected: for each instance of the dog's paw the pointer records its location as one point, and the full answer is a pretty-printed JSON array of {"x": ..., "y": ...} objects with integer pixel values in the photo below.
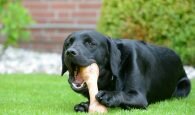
[
  {"x": 107, "y": 98},
  {"x": 82, "y": 107}
]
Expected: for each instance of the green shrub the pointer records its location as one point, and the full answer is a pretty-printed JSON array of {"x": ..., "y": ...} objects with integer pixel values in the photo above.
[
  {"x": 14, "y": 19},
  {"x": 163, "y": 22}
]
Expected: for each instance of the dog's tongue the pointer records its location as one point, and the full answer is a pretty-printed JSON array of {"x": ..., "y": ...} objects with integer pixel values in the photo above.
[{"x": 78, "y": 78}]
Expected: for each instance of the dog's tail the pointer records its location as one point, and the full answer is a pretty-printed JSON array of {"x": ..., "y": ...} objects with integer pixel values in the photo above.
[{"x": 183, "y": 87}]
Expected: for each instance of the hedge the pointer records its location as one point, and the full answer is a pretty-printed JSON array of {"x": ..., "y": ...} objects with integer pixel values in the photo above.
[
  {"x": 170, "y": 23},
  {"x": 14, "y": 19}
]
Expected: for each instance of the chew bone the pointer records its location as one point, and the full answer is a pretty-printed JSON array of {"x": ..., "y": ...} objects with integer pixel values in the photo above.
[{"x": 90, "y": 75}]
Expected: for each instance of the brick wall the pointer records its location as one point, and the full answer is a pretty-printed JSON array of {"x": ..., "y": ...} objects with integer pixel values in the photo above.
[{"x": 55, "y": 19}]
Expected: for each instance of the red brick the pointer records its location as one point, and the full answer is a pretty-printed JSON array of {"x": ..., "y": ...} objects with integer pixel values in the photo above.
[
  {"x": 40, "y": 20},
  {"x": 63, "y": 5},
  {"x": 86, "y": 21},
  {"x": 84, "y": 14},
  {"x": 58, "y": 38},
  {"x": 90, "y": 5},
  {"x": 40, "y": 38},
  {"x": 62, "y": 20},
  {"x": 35, "y": 4},
  {"x": 25, "y": 45},
  {"x": 34, "y": 30},
  {"x": 63, "y": 14},
  {"x": 49, "y": 35},
  {"x": 58, "y": 11},
  {"x": 43, "y": 14},
  {"x": 42, "y": 47}
]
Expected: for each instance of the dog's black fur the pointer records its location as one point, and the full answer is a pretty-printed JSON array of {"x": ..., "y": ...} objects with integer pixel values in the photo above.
[{"x": 133, "y": 73}]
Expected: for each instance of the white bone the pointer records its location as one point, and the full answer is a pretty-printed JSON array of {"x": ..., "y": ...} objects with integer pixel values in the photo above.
[{"x": 90, "y": 74}]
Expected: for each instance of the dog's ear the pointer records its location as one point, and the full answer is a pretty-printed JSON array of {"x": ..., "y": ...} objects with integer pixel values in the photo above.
[
  {"x": 115, "y": 57},
  {"x": 64, "y": 68}
]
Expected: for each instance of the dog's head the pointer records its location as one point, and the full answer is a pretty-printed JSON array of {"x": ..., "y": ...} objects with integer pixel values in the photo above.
[{"x": 83, "y": 48}]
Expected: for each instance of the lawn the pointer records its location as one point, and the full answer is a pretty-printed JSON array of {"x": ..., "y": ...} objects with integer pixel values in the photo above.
[{"x": 51, "y": 95}]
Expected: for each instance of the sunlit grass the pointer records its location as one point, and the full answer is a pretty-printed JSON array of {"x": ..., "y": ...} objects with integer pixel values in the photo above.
[{"x": 51, "y": 94}]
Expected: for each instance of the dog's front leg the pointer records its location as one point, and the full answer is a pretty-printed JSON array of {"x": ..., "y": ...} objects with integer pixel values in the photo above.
[
  {"x": 82, "y": 107},
  {"x": 122, "y": 99}
]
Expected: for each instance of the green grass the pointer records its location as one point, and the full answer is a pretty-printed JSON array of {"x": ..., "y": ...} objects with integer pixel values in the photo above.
[{"x": 50, "y": 94}]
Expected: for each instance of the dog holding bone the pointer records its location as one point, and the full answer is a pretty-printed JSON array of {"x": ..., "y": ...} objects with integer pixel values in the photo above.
[{"x": 120, "y": 72}]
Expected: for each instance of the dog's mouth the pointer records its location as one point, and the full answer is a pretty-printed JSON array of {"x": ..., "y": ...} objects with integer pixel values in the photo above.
[
  {"x": 78, "y": 82},
  {"x": 75, "y": 79}
]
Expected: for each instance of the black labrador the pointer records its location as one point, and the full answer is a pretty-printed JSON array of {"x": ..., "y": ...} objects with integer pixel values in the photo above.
[{"x": 133, "y": 73}]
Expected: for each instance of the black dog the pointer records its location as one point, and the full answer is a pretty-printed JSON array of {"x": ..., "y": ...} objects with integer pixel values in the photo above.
[{"x": 132, "y": 73}]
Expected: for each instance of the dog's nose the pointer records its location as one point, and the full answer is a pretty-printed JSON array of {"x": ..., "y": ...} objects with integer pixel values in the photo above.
[{"x": 71, "y": 52}]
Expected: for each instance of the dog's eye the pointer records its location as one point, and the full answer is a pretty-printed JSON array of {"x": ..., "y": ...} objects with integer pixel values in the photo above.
[
  {"x": 70, "y": 42},
  {"x": 90, "y": 43}
]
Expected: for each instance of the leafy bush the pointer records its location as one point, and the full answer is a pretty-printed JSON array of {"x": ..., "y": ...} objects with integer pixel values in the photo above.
[
  {"x": 164, "y": 22},
  {"x": 14, "y": 19}
]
